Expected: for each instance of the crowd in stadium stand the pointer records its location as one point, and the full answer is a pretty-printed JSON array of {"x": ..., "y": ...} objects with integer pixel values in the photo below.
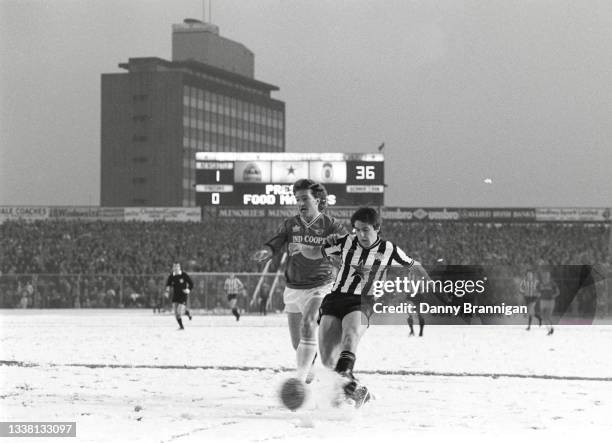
[{"x": 140, "y": 254}]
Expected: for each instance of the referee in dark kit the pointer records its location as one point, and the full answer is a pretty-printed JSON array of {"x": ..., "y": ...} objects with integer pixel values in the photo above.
[{"x": 181, "y": 285}]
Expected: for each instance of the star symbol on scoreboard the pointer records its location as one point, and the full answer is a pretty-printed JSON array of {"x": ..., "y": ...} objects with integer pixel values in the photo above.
[
  {"x": 290, "y": 170},
  {"x": 359, "y": 271}
]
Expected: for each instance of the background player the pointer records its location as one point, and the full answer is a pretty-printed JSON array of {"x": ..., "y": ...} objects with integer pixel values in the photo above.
[
  {"x": 345, "y": 312},
  {"x": 415, "y": 299},
  {"x": 181, "y": 286},
  {"x": 548, "y": 291},
  {"x": 263, "y": 298},
  {"x": 307, "y": 280},
  {"x": 529, "y": 289},
  {"x": 415, "y": 302},
  {"x": 233, "y": 286}
]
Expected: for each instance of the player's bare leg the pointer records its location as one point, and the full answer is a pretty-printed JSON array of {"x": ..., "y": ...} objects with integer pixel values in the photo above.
[
  {"x": 421, "y": 324},
  {"x": 307, "y": 347},
  {"x": 187, "y": 313},
  {"x": 547, "y": 313},
  {"x": 234, "y": 309},
  {"x": 178, "y": 312},
  {"x": 354, "y": 324},
  {"x": 548, "y": 320},
  {"x": 530, "y": 314},
  {"x": 330, "y": 337},
  {"x": 295, "y": 323}
]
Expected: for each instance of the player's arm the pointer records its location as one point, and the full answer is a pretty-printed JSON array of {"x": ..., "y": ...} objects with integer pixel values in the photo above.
[
  {"x": 419, "y": 270},
  {"x": 335, "y": 233},
  {"x": 400, "y": 258},
  {"x": 263, "y": 254},
  {"x": 556, "y": 291},
  {"x": 334, "y": 244},
  {"x": 310, "y": 252},
  {"x": 274, "y": 245},
  {"x": 189, "y": 283},
  {"x": 168, "y": 286},
  {"x": 338, "y": 229}
]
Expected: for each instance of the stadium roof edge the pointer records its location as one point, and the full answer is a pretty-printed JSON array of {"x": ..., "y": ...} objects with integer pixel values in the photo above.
[{"x": 199, "y": 67}]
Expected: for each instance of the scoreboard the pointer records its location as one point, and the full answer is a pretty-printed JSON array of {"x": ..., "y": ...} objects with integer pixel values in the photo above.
[{"x": 265, "y": 179}]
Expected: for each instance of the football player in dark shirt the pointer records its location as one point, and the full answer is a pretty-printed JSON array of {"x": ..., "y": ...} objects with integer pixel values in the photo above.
[
  {"x": 308, "y": 281},
  {"x": 181, "y": 285}
]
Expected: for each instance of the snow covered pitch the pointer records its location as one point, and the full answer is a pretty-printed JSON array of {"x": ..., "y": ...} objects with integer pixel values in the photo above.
[{"x": 126, "y": 375}]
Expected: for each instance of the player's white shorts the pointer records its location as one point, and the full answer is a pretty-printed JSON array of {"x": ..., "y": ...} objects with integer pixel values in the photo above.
[{"x": 296, "y": 299}]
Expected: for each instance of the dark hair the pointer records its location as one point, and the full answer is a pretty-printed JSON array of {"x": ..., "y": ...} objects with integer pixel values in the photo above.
[
  {"x": 366, "y": 215},
  {"x": 317, "y": 189}
]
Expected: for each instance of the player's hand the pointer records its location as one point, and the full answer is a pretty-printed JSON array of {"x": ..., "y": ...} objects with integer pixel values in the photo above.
[
  {"x": 186, "y": 291},
  {"x": 295, "y": 248},
  {"x": 262, "y": 255},
  {"x": 166, "y": 294},
  {"x": 332, "y": 239}
]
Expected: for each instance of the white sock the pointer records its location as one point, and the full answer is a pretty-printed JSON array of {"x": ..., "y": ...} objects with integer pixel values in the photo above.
[{"x": 305, "y": 354}]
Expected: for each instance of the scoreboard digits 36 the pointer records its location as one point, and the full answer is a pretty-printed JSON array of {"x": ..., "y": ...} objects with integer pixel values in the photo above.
[{"x": 265, "y": 178}]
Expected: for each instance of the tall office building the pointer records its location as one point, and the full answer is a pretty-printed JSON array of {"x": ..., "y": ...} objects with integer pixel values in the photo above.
[{"x": 159, "y": 113}]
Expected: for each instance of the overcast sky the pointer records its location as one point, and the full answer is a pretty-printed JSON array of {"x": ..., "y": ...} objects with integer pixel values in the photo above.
[{"x": 460, "y": 91}]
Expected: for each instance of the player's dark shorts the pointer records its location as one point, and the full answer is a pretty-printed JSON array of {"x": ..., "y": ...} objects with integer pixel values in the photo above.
[
  {"x": 529, "y": 300},
  {"x": 231, "y": 297},
  {"x": 339, "y": 305},
  {"x": 179, "y": 298}
]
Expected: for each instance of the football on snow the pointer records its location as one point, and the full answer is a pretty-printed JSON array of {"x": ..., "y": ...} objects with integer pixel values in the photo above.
[{"x": 293, "y": 393}]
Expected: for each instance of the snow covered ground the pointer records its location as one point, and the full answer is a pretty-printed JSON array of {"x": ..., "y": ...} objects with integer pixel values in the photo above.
[{"x": 132, "y": 376}]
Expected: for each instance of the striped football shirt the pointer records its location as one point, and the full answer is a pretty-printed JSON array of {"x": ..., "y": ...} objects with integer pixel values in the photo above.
[
  {"x": 233, "y": 285},
  {"x": 361, "y": 267},
  {"x": 529, "y": 288}
]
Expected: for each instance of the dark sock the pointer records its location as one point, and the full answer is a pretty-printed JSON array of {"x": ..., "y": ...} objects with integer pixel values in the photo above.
[
  {"x": 421, "y": 326},
  {"x": 346, "y": 362},
  {"x": 235, "y": 312},
  {"x": 180, "y": 322},
  {"x": 529, "y": 321},
  {"x": 411, "y": 324}
]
